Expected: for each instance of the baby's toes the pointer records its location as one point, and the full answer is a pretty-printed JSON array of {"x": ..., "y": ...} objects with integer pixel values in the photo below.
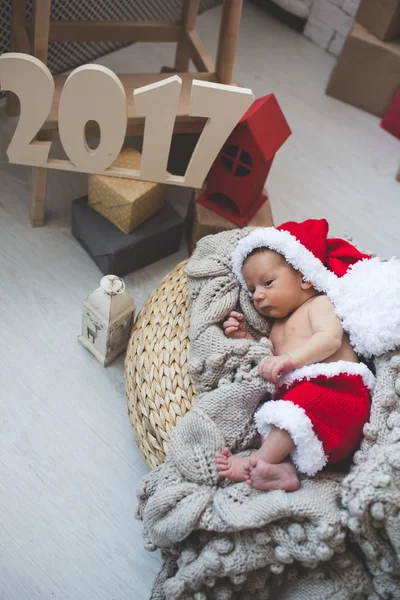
[
  {"x": 226, "y": 452},
  {"x": 222, "y": 467},
  {"x": 253, "y": 462},
  {"x": 221, "y": 458}
]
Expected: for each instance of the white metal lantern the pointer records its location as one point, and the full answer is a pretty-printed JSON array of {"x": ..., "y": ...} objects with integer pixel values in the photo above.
[{"x": 108, "y": 315}]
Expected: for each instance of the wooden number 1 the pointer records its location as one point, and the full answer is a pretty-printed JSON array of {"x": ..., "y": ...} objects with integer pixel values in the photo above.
[
  {"x": 158, "y": 102},
  {"x": 224, "y": 105},
  {"x": 94, "y": 93}
]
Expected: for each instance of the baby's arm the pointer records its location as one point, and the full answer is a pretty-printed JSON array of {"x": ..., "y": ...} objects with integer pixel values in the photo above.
[
  {"x": 326, "y": 338},
  {"x": 236, "y": 327}
]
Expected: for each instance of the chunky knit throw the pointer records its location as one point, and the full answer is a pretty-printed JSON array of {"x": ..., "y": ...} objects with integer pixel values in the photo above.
[{"x": 337, "y": 537}]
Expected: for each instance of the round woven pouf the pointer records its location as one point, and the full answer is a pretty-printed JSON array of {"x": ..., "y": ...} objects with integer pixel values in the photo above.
[{"x": 158, "y": 384}]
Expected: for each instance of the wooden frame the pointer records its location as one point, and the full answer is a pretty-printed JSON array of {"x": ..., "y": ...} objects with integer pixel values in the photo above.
[{"x": 34, "y": 37}]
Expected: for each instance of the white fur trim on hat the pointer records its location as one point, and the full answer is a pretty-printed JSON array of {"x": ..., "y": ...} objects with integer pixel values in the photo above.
[
  {"x": 293, "y": 251},
  {"x": 367, "y": 301},
  {"x": 330, "y": 369},
  {"x": 308, "y": 456}
]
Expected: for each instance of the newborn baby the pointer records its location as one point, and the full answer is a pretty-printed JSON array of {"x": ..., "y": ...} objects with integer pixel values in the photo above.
[{"x": 322, "y": 399}]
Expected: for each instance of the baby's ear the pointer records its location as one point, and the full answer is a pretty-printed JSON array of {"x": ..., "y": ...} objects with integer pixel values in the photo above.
[{"x": 305, "y": 285}]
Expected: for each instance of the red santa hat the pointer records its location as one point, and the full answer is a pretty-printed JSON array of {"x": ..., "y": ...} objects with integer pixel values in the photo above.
[
  {"x": 306, "y": 247},
  {"x": 365, "y": 291}
]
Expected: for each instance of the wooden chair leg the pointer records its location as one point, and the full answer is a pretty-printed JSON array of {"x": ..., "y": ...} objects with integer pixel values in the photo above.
[
  {"x": 189, "y": 14},
  {"x": 18, "y": 18},
  {"x": 398, "y": 175},
  {"x": 40, "y": 28},
  {"x": 38, "y": 195},
  {"x": 40, "y": 46},
  {"x": 228, "y": 33}
]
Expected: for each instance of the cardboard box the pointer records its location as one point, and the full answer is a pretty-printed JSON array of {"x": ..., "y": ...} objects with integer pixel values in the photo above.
[
  {"x": 126, "y": 203},
  {"x": 119, "y": 254},
  {"x": 202, "y": 221},
  {"x": 367, "y": 73},
  {"x": 380, "y": 17}
]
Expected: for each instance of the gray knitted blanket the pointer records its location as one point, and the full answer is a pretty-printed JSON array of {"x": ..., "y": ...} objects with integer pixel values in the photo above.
[{"x": 337, "y": 537}]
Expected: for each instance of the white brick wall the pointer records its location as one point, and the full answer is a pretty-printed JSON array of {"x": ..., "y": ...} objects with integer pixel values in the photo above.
[
  {"x": 351, "y": 6},
  {"x": 319, "y": 33},
  {"x": 329, "y": 23},
  {"x": 328, "y": 13},
  {"x": 336, "y": 44}
]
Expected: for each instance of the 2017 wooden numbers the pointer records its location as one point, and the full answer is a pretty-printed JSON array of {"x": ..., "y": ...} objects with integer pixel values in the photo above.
[{"x": 95, "y": 93}]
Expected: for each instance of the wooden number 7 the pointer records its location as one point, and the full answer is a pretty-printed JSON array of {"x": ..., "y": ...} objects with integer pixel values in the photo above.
[
  {"x": 93, "y": 92},
  {"x": 224, "y": 105}
]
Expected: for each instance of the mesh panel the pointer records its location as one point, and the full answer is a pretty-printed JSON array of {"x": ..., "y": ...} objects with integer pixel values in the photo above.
[{"x": 65, "y": 56}]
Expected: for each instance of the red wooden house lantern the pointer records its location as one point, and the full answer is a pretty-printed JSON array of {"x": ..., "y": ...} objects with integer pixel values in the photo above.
[
  {"x": 237, "y": 177},
  {"x": 391, "y": 120}
]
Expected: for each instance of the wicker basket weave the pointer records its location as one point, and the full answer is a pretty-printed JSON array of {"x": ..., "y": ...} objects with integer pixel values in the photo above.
[{"x": 158, "y": 384}]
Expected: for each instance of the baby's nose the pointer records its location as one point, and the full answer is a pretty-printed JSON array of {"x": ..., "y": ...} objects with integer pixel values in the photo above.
[{"x": 258, "y": 294}]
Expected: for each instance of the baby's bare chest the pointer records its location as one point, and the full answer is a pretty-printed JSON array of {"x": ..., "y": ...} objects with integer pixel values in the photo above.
[{"x": 294, "y": 329}]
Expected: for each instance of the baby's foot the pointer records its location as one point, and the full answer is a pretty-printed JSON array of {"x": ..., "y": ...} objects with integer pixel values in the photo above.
[
  {"x": 233, "y": 467},
  {"x": 267, "y": 476}
]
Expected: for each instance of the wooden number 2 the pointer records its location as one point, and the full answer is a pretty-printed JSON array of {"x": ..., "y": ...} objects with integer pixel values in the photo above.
[
  {"x": 94, "y": 93},
  {"x": 33, "y": 83}
]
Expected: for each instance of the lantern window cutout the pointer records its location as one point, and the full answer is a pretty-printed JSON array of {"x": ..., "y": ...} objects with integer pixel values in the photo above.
[
  {"x": 107, "y": 319},
  {"x": 235, "y": 182},
  {"x": 237, "y": 161}
]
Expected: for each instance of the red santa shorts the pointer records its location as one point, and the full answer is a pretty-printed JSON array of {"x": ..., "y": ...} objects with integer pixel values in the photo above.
[{"x": 324, "y": 407}]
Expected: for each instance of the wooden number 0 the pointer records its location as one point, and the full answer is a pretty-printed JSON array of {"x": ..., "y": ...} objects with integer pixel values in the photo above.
[{"x": 94, "y": 93}]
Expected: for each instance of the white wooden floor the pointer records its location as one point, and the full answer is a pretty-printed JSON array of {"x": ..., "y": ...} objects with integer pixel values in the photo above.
[{"x": 69, "y": 466}]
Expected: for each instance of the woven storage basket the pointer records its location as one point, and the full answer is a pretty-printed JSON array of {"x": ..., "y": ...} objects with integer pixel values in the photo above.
[{"x": 158, "y": 384}]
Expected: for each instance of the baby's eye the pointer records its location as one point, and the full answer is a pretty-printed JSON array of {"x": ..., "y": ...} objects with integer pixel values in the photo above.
[{"x": 268, "y": 283}]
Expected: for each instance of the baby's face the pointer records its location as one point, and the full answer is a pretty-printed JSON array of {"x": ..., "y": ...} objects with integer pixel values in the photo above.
[{"x": 275, "y": 286}]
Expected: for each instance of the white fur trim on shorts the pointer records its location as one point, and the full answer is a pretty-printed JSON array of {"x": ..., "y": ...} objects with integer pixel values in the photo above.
[
  {"x": 329, "y": 369},
  {"x": 308, "y": 456}
]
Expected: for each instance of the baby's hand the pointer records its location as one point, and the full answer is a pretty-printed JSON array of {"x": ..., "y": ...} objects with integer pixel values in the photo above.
[
  {"x": 270, "y": 368},
  {"x": 235, "y": 326}
]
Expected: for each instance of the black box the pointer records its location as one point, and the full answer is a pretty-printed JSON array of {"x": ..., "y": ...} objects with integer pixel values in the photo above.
[{"x": 118, "y": 253}]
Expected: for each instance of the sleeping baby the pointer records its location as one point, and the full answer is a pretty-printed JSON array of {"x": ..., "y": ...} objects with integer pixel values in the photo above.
[{"x": 322, "y": 391}]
